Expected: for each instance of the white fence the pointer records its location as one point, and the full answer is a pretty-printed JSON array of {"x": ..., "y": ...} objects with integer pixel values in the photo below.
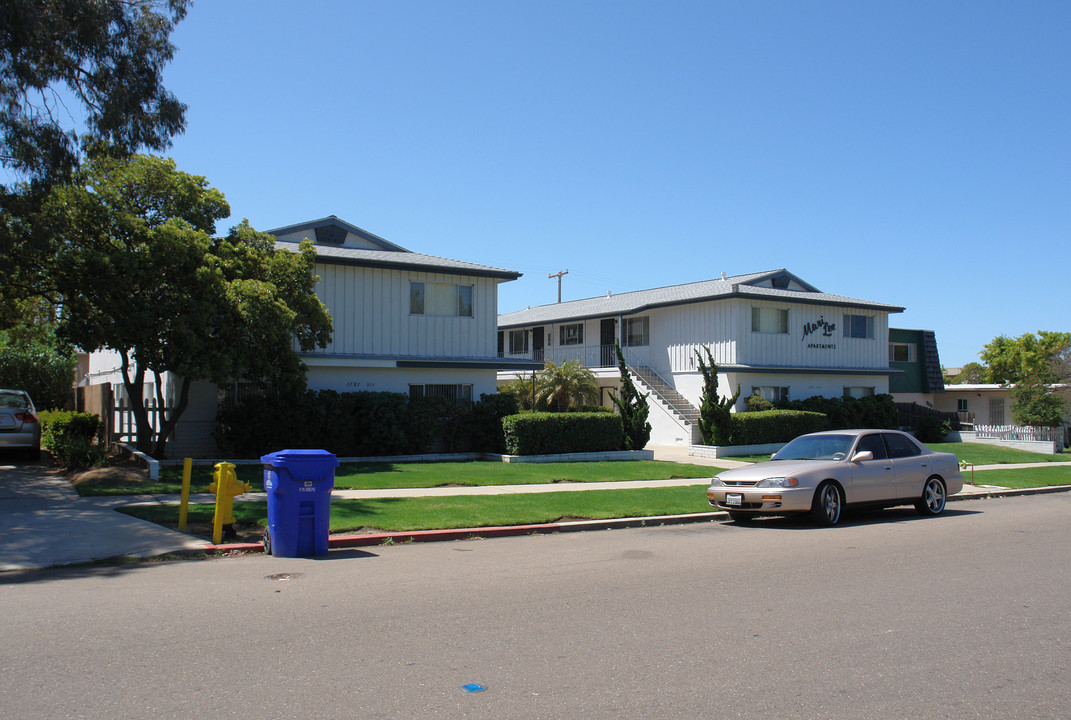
[{"x": 1020, "y": 434}]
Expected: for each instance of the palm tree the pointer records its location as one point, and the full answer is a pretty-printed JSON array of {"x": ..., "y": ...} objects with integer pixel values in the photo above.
[{"x": 567, "y": 384}]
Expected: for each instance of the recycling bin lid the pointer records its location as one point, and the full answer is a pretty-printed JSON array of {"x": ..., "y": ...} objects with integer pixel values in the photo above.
[{"x": 283, "y": 458}]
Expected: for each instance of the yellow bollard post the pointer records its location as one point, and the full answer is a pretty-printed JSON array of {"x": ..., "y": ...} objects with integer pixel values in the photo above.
[
  {"x": 184, "y": 505},
  {"x": 217, "y": 520}
]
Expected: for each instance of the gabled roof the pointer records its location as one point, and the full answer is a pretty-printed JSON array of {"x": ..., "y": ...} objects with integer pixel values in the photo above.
[
  {"x": 331, "y": 230},
  {"x": 322, "y": 232},
  {"x": 777, "y": 285}
]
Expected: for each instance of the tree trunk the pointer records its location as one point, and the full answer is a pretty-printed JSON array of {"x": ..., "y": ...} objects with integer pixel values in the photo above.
[
  {"x": 167, "y": 425},
  {"x": 135, "y": 392}
]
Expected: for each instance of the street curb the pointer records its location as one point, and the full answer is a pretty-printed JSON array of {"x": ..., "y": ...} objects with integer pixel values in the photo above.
[{"x": 481, "y": 533}]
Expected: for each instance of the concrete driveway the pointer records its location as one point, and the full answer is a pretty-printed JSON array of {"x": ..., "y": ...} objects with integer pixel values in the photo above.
[{"x": 43, "y": 522}]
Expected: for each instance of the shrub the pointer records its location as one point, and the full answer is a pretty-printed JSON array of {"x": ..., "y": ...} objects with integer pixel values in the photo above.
[
  {"x": 774, "y": 426},
  {"x": 362, "y": 424},
  {"x": 632, "y": 406},
  {"x": 346, "y": 424},
  {"x": 757, "y": 403},
  {"x": 932, "y": 429},
  {"x": 486, "y": 423},
  {"x": 550, "y": 433},
  {"x": 44, "y": 373},
  {"x": 715, "y": 416},
  {"x": 75, "y": 439},
  {"x": 878, "y": 411}
]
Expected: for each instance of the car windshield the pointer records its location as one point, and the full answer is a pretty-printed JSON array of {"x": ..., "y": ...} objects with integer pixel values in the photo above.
[{"x": 816, "y": 447}]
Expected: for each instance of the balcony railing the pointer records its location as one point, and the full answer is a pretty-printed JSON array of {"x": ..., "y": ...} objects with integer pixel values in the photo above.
[{"x": 592, "y": 356}]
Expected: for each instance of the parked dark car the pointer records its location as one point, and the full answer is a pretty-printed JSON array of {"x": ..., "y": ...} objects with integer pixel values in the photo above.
[{"x": 19, "y": 426}]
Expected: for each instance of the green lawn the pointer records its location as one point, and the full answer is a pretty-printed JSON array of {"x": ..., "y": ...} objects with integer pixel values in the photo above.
[
  {"x": 401, "y": 514},
  {"x": 992, "y": 455},
  {"x": 1024, "y": 478},
  {"x": 366, "y": 476}
]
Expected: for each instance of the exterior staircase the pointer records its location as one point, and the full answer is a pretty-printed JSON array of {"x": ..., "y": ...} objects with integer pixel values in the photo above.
[{"x": 678, "y": 405}]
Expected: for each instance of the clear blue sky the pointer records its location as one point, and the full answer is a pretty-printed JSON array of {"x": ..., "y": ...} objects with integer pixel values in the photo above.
[{"x": 914, "y": 153}]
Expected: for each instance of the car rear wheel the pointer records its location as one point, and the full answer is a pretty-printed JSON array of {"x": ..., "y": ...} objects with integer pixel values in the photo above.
[
  {"x": 933, "y": 498},
  {"x": 827, "y": 504}
]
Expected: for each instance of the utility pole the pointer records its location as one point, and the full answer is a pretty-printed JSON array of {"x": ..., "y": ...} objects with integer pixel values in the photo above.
[{"x": 559, "y": 276}]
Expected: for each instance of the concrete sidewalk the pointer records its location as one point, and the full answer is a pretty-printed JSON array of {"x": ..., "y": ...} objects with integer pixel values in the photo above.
[{"x": 43, "y": 522}]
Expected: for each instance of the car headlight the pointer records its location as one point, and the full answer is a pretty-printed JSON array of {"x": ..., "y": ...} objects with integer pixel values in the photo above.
[
  {"x": 778, "y": 482},
  {"x": 716, "y": 482}
]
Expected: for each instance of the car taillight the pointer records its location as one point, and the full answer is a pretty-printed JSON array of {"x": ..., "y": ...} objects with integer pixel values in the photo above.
[{"x": 25, "y": 417}]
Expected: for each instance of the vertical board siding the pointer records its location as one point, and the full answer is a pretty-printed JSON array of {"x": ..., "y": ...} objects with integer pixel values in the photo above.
[{"x": 370, "y": 311}]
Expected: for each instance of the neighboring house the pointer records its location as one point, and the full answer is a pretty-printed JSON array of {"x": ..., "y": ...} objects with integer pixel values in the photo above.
[
  {"x": 403, "y": 322},
  {"x": 990, "y": 404},
  {"x": 913, "y": 353},
  {"x": 770, "y": 333}
]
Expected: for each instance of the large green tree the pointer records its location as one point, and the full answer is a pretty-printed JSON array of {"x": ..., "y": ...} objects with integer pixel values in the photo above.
[
  {"x": 74, "y": 75},
  {"x": 140, "y": 273},
  {"x": 971, "y": 372},
  {"x": 1027, "y": 357},
  {"x": 104, "y": 56},
  {"x": 1036, "y": 405}
]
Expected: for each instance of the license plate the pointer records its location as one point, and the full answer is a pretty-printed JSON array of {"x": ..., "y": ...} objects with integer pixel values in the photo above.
[
  {"x": 734, "y": 499},
  {"x": 6, "y": 421}
]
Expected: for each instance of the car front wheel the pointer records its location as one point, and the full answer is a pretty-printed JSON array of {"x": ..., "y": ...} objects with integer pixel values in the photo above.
[
  {"x": 826, "y": 508},
  {"x": 933, "y": 498}
]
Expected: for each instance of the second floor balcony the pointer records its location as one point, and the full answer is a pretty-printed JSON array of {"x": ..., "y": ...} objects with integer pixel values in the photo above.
[{"x": 592, "y": 356}]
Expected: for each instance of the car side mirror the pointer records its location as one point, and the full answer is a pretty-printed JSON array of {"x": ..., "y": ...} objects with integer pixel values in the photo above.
[{"x": 863, "y": 455}]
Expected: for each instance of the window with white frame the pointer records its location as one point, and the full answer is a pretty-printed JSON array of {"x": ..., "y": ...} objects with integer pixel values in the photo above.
[
  {"x": 961, "y": 404},
  {"x": 858, "y": 326},
  {"x": 773, "y": 393},
  {"x": 769, "y": 320},
  {"x": 902, "y": 352},
  {"x": 638, "y": 331},
  {"x": 460, "y": 393},
  {"x": 441, "y": 299},
  {"x": 571, "y": 334},
  {"x": 858, "y": 391},
  {"x": 518, "y": 342}
]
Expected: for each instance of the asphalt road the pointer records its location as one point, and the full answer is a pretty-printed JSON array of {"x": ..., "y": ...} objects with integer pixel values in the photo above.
[{"x": 888, "y": 616}]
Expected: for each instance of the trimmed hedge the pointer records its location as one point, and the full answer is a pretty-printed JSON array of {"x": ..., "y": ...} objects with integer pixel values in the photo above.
[
  {"x": 774, "y": 426},
  {"x": 877, "y": 411},
  {"x": 543, "y": 433},
  {"x": 362, "y": 424}
]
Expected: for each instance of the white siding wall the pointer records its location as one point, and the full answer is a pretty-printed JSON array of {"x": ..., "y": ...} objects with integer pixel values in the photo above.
[
  {"x": 794, "y": 349},
  {"x": 370, "y": 310},
  {"x": 678, "y": 332}
]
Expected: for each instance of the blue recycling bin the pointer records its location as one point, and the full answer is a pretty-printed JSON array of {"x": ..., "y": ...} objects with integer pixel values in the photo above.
[{"x": 299, "y": 484}]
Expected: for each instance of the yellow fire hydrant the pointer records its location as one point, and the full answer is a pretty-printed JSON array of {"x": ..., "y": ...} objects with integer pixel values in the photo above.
[{"x": 226, "y": 486}]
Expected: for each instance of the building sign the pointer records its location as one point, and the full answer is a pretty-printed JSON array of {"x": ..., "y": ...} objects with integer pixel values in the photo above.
[{"x": 818, "y": 330}]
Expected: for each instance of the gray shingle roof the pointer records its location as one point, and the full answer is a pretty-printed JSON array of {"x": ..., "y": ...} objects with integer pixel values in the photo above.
[{"x": 638, "y": 301}]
